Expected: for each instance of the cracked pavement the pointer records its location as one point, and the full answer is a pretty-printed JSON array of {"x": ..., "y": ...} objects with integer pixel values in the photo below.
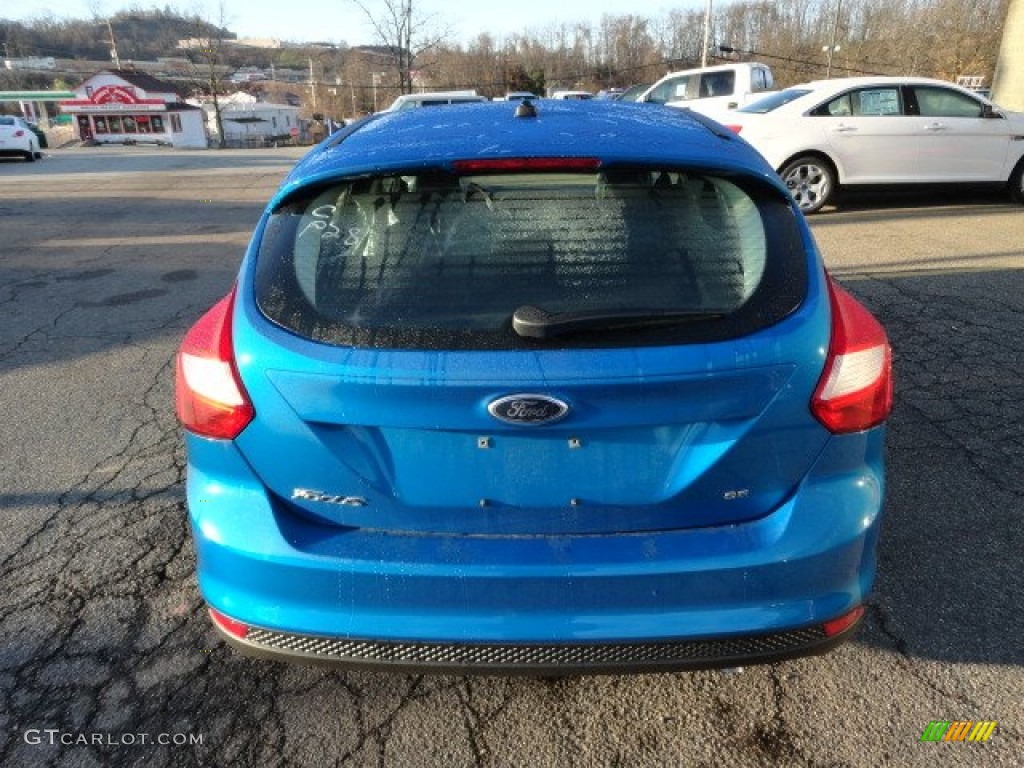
[{"x": 108, "y": 255}]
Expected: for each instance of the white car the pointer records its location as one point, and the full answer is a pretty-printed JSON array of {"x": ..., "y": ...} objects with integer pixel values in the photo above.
[
  {"x": 18, "y": 138},
  {"x": 434, "y": 99},
  {"x": 845, "y": 132},
  {"x": 721, "y": 87},
  {"x": 517, "y": 96}
]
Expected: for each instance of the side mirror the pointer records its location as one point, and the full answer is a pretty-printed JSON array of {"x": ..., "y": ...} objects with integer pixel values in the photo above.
[{"x": 990, "y": 112}]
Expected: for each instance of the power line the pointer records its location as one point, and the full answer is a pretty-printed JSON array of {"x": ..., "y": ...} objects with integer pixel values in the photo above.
[{"x": 792, "y": 60}]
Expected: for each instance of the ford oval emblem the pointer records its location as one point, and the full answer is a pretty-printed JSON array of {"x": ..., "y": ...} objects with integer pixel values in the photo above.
[{"x": 528, "y": 410}]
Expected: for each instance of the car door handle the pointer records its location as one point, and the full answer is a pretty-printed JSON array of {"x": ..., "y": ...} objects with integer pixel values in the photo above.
[
  {"x": 935, "y": 127},
  {"x": 841, "y": 128}
]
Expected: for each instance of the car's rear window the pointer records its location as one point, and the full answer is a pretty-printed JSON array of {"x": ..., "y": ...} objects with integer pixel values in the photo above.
[
  {"x": 773, "y": 101},
  {"x": 437, "y": 260}
]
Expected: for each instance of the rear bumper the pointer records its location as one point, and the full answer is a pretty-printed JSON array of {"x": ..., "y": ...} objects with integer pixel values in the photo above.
[
  {"x": 704, "y": 597},
  {"x": 537, "y": 658}
]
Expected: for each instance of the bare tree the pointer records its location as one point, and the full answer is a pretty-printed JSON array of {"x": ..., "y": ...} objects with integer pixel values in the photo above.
[
  {"x": 937, "y": 38},
  {"x": 210, "y": 67},
  {"x": 628, "y": 50},
  {"x": 405, "y": 34}
]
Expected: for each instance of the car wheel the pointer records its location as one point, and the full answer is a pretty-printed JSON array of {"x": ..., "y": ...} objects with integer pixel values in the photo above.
[
  {"x": 810, "y": 180},
  {"x": 1017, "y": 182},
  {"x": 30, "y": 156}
]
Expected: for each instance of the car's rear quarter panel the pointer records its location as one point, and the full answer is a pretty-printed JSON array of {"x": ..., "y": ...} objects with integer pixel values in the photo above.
[{"x": 729, "y": 539}]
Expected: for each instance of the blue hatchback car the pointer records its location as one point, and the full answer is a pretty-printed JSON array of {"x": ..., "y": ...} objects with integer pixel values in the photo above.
[{"x": 558, "y": 387}]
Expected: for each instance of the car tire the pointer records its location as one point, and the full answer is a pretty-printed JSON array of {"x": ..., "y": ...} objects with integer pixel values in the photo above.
[
  {"x": 811, "y": 181},
  {"x": 1016, "y": 184},
  {"x": 30, "y": 156}
]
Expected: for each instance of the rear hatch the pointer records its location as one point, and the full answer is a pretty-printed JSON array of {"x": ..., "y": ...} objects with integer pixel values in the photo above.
[{"x": 518, "y": 351}]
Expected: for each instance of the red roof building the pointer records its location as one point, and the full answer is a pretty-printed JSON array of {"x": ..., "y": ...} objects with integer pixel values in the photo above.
[{"x": 121, "y": 107}]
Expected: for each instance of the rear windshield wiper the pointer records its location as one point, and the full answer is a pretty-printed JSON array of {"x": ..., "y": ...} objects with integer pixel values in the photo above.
[{"x": 536, "y": 323}]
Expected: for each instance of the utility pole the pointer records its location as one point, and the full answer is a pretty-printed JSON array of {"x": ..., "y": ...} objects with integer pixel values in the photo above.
[
  {"x": 832, "y": 47},
  {"x": 113, "y": 47},
  {"x": 312, "y": 83},
  {"x": 707, "y": 35},
  {"x": 1008, "y": 82}
]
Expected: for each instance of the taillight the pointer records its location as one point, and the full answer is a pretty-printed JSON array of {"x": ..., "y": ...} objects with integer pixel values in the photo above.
[
  {"x": 843, "y": 623},
  {"x": 515, "y": 164},
  {"x": 229, "y": 625},
  {"x": 734, "y": 128},
  {"x": 19, "y": 133},
  {"x": 209, "y": 395},
  {"x": 855, "y": 390}
]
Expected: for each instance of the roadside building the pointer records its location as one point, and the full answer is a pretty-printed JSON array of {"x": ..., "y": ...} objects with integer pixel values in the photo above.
[
  {"x": 251, "y": 122},
  {"x": 122, "y": 107},
  {"x": 35, "y": 106}
]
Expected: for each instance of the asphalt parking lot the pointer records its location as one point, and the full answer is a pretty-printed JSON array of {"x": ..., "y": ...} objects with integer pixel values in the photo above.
[{"x": 107, "y": 657}]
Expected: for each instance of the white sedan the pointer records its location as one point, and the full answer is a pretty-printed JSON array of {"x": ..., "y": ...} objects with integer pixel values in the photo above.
[
  {"x": 882, "y": 131},
  {"x": 17, "y": 138}
]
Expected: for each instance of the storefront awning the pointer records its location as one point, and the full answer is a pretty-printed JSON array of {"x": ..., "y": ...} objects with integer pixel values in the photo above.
[{"x": 9, "y": 96}]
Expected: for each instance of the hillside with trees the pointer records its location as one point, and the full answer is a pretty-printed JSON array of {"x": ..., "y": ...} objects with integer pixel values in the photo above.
[
  {"x": 938, "y": 38},
  {"x": 139, "y": 34}
]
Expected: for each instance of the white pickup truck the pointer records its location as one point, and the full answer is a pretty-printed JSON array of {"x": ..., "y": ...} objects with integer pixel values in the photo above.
[{"x": 711, "y": 89}]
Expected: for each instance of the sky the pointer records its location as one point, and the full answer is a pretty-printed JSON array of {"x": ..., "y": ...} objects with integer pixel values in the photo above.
[{"x": 342, "y": 21}]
